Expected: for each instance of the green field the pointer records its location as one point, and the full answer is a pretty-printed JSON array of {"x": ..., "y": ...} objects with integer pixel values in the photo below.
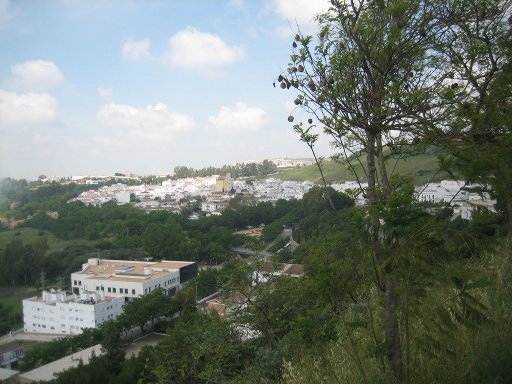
[
  {"x": 423, "y": 168},
  {"x": 28, "y": 235}
]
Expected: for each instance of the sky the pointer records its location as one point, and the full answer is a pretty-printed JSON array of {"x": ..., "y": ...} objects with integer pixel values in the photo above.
[{"x": 92, "y": 87}]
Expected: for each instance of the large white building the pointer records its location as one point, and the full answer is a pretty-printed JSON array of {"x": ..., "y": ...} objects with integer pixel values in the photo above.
[
  {"x": 131, "y": 278},
  {"x": 100, "y": 289},
  {"x": 60, "y": 313}
]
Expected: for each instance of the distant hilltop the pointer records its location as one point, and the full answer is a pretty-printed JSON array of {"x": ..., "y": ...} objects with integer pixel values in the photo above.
[{"x": 286, "y": 162}]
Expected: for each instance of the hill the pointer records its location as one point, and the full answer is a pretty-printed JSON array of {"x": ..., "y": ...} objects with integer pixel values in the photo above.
[
  {"x": 423, "y": 168},
  {"x": 28, "y": 235}
]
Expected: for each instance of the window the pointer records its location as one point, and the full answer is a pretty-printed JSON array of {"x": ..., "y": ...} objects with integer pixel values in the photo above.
[
  {"x": 74, "y": 282},
  {"x": 102, "y": 288},
  {"x": 114, "y": 290},
  {"x": 109, "y": 289},
  {"x": 126, "y": 290},
  {"x": 97, "y": 288},
  {"x": 133, "y": 291}
]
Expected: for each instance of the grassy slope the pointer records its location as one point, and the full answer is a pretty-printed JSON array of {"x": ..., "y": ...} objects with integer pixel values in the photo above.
[
  {"x": 422, "y": 168},
  {"x": 10, "y": 296},
  {"x": 28, "y": 235}
]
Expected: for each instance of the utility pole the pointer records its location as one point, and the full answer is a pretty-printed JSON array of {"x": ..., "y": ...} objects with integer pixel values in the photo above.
[{"x": 42, "y": 280}]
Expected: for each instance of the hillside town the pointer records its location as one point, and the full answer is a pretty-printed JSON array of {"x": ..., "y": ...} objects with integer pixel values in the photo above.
[{"x": 215, "y": 192}]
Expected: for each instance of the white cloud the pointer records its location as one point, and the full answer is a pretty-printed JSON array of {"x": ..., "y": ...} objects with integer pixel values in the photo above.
[
  {"x": 135, "y": 50},
  {"x": 191, "y": 48},
  {"x": 26, "y": 109},
  {"x": 152, "y": 123},
  {"x": 236, "y": 3},
  {"x": 239, "y": 119},
  {"x": 35, "y": 75},
  {"x": 105, "y": 92},
  {"x": 301, "y": 12}
]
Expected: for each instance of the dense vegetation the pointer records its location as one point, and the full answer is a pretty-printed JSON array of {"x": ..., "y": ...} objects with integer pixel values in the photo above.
[
  {"x": 395, "y": 292},
  {"x": 457, "y": 312},
  {"x": 238, "y": 170}
]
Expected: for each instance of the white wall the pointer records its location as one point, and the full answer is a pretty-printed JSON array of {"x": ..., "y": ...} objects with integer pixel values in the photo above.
[
  {"x": 116, "y": 288},
  {"x": 70, "y": 316}
]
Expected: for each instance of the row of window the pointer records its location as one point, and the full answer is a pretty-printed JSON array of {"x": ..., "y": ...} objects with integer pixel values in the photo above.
[
  {"x": 16, "y": 353},
  {"x": 147, "y": 290},
  {"x": 114, "y": 290},
  {"x": 170, "y": 282}
]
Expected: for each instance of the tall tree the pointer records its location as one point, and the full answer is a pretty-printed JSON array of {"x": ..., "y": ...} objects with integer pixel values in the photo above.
[
  {"x": 371, "y": 79},
  {"x": 112, "y": 346},
  {"x": 478, "y": 47}
]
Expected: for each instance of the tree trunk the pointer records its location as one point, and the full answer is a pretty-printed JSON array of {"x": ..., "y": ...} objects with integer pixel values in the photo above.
[
  {"x": 509, "y": 214},
  {"x": 383, "y": 173},
  {"x": 386, "y": 277},
  {"x": 391, "y": 327}
]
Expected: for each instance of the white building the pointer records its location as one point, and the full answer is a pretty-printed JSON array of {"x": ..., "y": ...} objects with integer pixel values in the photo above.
[
  {"x": 122, "y": 197},
  {"x": 444, "y": 192},
  {"x": 120, "y": 278},
  {"x": 10, "y": 354},
  {"x": 215, "y": 204},
  {"x": 59, "y": 313},
  {"x": 99, "y": 292}
]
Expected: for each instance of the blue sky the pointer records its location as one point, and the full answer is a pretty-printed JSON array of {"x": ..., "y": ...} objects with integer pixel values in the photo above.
[{"x": 103, "y": 86}]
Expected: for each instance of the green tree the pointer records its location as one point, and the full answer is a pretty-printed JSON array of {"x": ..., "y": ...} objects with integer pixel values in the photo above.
[
  {"x": 146, "y": 308},
  {"x": 371, "y": 79},
  {"x": 200, "y": 349},
  {"x": 206, "y": 282},
  {"x": 163, "y": 241},
  {"x": 477, "y": 47},
  {"x": 6, "y": 319},
  {"x": 112, "y": 346}
]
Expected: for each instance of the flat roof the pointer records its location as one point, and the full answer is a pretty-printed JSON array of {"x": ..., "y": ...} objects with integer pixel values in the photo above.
[
  {"x": 72, "y": 299},
  {"x": 47, "y": 372},
  {"x": 10, "y": 346},
  {"x": 123, "y": 270},
  {"x": 7, "y": 373}
]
